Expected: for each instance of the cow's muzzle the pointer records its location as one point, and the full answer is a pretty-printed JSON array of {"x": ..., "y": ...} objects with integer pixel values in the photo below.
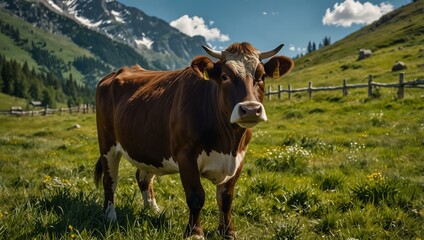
[{"x": 248, "y": 114}]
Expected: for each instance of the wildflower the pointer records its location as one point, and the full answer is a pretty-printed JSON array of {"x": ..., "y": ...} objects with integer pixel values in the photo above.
[
  {"x": 47, "y": 179},
  {"x": 376, "y": 177}
]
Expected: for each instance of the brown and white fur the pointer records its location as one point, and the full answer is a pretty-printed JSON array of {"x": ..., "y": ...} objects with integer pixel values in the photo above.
[{"x": 195, "y": 121}]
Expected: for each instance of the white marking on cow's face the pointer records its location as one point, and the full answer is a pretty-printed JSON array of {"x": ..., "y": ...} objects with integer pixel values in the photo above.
[
  {"x": 113, "y": 157},
  {"x": 236, "y": 118},
  {"x": 243, "y": 65},
  {"x": 169, "y": 165},
  {"x": 219, "y": 167},
  {"x": 110, "y": 212}
]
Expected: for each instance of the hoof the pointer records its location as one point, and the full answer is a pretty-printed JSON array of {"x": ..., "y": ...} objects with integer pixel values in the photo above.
[
  {"x": 195, "y": 237},
  {"x": 110, "y": 212},
  {"x": 194, "y": 233}
]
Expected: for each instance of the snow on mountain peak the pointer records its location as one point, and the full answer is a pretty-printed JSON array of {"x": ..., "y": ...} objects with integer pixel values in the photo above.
[{"x": 118, "y": 16}]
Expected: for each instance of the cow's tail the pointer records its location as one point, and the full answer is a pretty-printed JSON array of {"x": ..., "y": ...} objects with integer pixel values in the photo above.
[{"x": 98, "y": 172}]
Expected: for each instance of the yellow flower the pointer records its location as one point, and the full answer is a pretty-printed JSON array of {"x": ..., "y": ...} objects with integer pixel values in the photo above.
[
  {"x": 377, "y": 177},
  {"x": 47, "y": 179},
  {"x": 71, "y": 228}
]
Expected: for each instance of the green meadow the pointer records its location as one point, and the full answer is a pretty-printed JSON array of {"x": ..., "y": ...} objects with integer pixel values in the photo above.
[{"x": 330, "y": 167}]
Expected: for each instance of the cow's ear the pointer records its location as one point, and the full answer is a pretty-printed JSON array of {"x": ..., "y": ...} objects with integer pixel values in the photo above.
[
  {"x": 203, "y": 66},
  {"x": 278, "y": 66}
]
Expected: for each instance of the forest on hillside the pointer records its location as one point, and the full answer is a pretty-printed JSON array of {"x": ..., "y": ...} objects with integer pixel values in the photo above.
[{"x": 20, "y": 81}]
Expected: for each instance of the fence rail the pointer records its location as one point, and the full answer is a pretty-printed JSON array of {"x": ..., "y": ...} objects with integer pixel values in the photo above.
[
  {"x": 401, "y": 85},
  {"x": 18, "y": 111}
]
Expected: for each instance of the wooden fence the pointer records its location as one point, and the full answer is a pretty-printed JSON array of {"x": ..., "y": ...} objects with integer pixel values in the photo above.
[
  {"x": 18, "y": 111},
  {"x": 401, "y": 85}
]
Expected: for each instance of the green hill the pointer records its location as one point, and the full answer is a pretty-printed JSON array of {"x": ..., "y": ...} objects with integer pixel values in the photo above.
[
  {"x": 58, "y": 46},
  {"x": 397, "y": 36}
]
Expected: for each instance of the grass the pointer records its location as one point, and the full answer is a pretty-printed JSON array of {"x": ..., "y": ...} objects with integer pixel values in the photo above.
[
  {"x": 350, "y": 168},
  {"x": 7, "y": 101}
]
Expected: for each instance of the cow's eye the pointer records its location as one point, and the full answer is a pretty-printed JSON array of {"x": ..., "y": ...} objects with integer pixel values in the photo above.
[{"x": 224, "y": 77}]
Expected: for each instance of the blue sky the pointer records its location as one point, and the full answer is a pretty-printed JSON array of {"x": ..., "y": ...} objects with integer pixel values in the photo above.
[{"x": 267, "y": 23}]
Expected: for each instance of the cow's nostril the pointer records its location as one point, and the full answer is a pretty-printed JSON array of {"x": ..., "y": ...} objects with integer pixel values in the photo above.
[
  {"x": 250, "y": 111},
  {"x": 259, "y": 111},
  {"x": 248, "y": 114},
  {"x": 242, "y": 111}
]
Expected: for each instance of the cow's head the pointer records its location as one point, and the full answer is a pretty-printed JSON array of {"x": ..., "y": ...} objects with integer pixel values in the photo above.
[{"x": 240, "y": 74}]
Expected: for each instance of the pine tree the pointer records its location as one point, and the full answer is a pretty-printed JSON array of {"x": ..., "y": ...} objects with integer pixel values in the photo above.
[
  {"x": 34, "y": 91},
  {"x": 309, "y": 49},
  {"x": 326, "y": 41},
  {"x": 7, "y": 76}
]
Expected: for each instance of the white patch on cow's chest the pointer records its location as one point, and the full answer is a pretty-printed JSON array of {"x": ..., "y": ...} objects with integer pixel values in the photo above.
[{"x": 219, "y": 167}]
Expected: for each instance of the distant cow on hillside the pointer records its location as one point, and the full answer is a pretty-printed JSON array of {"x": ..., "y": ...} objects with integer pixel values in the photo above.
[
  {"x": 364, "y": 53},
  {"x": 194, "y": 121},
  {"x": 399, "y": 66}
]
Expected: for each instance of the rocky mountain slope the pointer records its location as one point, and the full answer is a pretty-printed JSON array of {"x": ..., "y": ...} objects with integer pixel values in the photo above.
[{"x": 129, "y": 25}]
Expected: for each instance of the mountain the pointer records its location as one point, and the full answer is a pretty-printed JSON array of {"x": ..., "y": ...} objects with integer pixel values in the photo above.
[
  {"x": 116, "y": 35},
  {"x": 50, "y": 46},
  {"x": 162, "y": 46},
  {"x": 396, "y": 36},
  {"x": 129, "y": 25}
]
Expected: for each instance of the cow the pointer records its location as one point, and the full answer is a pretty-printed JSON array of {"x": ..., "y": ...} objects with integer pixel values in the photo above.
[
  {"x": 194, "y": 121},
  {"x": 364, "y": 53},
  {"x": 399, "y": 65}
]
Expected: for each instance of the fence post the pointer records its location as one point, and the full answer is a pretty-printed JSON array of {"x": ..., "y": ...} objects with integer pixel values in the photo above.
[
  {"x": 401, "y": 88},
  {"x": 289, "y": 91},
  {"x": 269, "y": 93},
  {"x": 310, "y": 90},
  {"x": 370, "y": 85},
  {"x": 279, "y": 92},
  {"x": 344, "y": 87}
]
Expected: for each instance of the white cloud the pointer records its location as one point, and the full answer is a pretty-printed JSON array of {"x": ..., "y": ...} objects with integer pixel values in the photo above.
[
  {"x": 196, "y": 26},
  {"x": 273, "y": 13},
  {"x": 353, "y": 12},
  {"x": 297, "y": 49}
]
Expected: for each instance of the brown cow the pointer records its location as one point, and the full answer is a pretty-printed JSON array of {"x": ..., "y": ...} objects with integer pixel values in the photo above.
[{"x": 195, "y": 121}]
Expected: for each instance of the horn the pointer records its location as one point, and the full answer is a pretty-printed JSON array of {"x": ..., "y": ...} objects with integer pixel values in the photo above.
[
  {"x": 270, "y": 53},
  {"x": 213, "y": 53}
]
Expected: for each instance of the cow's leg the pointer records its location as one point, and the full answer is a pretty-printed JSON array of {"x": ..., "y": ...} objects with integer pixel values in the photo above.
[
  {"x": 145, "y": 183},
  {"x": 110, "y": 165},
  {"x": 195, "y": 195},
  {"x": 224, "y": 197}
]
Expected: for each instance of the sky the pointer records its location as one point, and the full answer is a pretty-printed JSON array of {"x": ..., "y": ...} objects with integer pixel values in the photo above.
[{"x": 267, "y": 23}]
